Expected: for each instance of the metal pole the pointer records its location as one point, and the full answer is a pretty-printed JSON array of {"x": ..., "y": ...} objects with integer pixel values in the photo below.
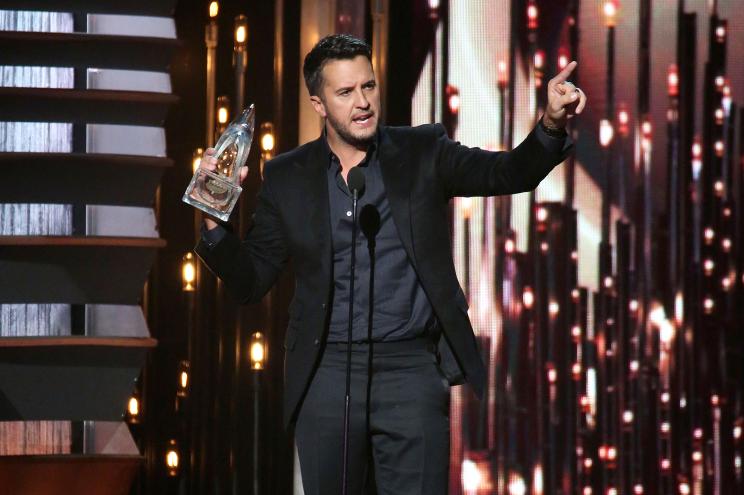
[
  {"x": 210, "y": 38},
  {"x": 256, "y": 430}
]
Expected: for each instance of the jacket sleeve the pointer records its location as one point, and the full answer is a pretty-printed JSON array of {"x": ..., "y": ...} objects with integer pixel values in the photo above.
[
  {"x": 250, "y": 268},
  {"x": 468, "y": 171}
]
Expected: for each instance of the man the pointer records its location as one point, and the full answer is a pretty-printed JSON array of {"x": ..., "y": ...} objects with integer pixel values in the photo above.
[{"x": 421, "y": 339}]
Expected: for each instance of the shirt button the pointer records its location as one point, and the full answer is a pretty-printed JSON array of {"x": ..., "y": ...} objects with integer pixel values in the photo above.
[
  {"x": 317, "y": 342},
  {"x": 348, "y": 213}
]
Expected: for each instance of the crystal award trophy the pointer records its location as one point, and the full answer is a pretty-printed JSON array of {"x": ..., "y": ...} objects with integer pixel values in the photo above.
[{"x": 216, "y": 191}]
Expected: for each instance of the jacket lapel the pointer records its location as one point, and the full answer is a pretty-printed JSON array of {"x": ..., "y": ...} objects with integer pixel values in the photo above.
[
  {"x": 314, "y": 188},
  {"x": 397, "y": 177}
]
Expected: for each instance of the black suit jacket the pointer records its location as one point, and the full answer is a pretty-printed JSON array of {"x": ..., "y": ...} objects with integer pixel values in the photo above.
[{"x": 422, "y": 170}]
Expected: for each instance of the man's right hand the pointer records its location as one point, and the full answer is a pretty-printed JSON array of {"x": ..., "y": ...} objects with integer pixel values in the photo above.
[{"x": 209, "y": 162}]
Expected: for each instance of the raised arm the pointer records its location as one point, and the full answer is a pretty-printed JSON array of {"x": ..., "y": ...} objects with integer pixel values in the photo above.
[{"x": 475, "y": 172}]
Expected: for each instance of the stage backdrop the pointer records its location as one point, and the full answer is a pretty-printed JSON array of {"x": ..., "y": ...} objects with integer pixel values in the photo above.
[{"x": 592, "y": 297}]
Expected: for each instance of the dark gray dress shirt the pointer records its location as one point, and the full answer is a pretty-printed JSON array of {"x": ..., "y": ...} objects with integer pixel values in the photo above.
[{"x": 401, "y": 309}]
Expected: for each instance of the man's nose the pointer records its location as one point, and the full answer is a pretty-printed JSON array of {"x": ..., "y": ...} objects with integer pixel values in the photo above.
[{"x": 361, "y": 100}]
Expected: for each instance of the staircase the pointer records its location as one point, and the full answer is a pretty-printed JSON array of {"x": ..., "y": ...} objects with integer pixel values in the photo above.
[{"x": 78, "y": 233}]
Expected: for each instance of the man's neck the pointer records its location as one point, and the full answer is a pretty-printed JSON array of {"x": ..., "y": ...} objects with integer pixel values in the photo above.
[{"x": 348, "y": 154}]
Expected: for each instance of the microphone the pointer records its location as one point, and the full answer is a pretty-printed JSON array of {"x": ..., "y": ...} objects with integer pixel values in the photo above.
[
  {"x": 356, "y": 181},
  {"x": 369, "y": 220}
]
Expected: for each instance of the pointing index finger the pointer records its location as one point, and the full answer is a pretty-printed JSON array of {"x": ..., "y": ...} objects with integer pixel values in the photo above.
[{"x": 563, "y": 75}]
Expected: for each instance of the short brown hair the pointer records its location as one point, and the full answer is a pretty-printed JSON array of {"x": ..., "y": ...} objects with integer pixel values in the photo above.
[{"x": 333, "y": 47}]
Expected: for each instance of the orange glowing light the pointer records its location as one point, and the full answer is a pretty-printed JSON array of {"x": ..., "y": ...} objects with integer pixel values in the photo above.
[{"x": 214, "y": 9}]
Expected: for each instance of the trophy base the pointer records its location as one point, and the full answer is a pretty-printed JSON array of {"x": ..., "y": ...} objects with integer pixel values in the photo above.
[{"x": 212, "y": 194}]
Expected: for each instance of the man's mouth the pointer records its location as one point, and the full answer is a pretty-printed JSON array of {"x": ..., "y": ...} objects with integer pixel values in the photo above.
[{"x": 362, "y": 119}]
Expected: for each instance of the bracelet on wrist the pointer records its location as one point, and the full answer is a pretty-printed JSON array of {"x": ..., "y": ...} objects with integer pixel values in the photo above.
[{"x": 552, "y": 131}]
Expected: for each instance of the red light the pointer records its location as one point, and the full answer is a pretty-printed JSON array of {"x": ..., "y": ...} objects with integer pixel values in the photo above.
[
  {"x": 719, "y": 187},
  {"x": 646, "y": 129},
  {"x": 605, "y": 133},
  {"x": 503, "y": 74},
  {"x": 528, "y": 297},
  {"x": 697, "y": 150},
  {"x": 539, "y": 59},
  {"x": 532, "y": 14},
  {"x": 721, "y": 33},
  {"x": 708, "y": 266},
  {"x": 542, "y": 214},
  {"x": 719, "y": 147},
  {"x": 610, "y": 11},
  {"x": 708, "y": 305},
  {"x": 623, "y": 119},
  {"x": 453, "y": 98},
  {"x": 719, "y": 116},
  {"x": 509, "y": 246},
  {"x": 611, "y": 453},
  {"x": 552, "y": 374},
  {"x": 603, "y": 452},
  {"x": 673, "y": 81},
  {"x": 709, "y": 235},
  {"x": 576, "y": 370}
]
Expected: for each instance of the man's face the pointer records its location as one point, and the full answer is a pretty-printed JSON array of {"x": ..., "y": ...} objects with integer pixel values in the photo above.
[{"x": 349, "y": 100}]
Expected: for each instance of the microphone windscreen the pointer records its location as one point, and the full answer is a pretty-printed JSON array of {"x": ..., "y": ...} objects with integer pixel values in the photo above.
[
  {"x": 369, "y": 220},
  {"x": 356, "y": 179}
]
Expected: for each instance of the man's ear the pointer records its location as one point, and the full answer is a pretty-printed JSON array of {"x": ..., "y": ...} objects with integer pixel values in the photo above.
[{"x": 318, "y": 105}]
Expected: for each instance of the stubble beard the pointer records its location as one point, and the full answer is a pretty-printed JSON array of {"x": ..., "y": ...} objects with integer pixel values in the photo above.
[{"x": 348, "y": 137}]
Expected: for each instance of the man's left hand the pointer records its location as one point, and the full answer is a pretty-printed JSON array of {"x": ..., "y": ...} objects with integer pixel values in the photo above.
[{"x": 565, "y": 100}]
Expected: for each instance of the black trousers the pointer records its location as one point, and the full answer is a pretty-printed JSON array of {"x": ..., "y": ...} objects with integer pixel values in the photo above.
[{"x": 399, "y": 423}]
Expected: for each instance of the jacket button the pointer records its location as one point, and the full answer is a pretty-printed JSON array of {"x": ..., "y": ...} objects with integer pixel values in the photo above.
[
  {"x": 323, "y": 305},
  {"x": 317, "y": 342}
]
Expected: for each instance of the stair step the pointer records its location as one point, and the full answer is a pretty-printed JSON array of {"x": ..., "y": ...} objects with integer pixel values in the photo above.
[
  {"x": 75, "y": 270},
  {"x": 68, "y": 474},
  {"x": 84, "y": 178},
  {"x": 87, "y": 50},
  {"x": 93, "y": 106},
  {"x": 68, "y": 378},
  {"x": 162, "y": 8}
]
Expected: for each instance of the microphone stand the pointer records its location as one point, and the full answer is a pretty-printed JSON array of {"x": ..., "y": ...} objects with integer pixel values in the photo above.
[
  {"x": 371, "y": 243},
  {"x": 369, "y": 220},
  {"x": 358, "y": 174}
]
